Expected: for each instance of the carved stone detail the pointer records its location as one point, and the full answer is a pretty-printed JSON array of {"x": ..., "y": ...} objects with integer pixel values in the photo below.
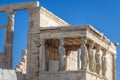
[
  {"x": 104, "y": 65},
  {"x": 98, "y": 56},
  {"x": 84, "y": 54},
  {"x": 21, "y": 67},
  {"x": 92, "y": 62}
]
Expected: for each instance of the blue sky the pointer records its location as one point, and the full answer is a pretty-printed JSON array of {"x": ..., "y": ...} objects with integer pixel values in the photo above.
[{"x": 104, "y": 15}]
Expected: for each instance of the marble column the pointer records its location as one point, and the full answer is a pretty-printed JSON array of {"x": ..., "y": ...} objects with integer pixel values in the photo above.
[
  {"x": 84, "y": 54},
  {"x": 92, "y": 61},
  {"x": 33, "y": 55},
  {"x": 42, "y": 62},
  {"x": 104, "y": 64},
  {"x": 62, "y": 55},
  {"x": 79, "y": 59},
  {"x": 9, "y": 39},
  {"x": 98, "y": 57}
]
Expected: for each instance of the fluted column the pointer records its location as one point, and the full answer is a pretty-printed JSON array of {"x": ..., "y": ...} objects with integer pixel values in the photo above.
[
  {"x": 84, "y": 54},
  {"x": 9, "y": 39},
  {"x": 62, "y": 55}
]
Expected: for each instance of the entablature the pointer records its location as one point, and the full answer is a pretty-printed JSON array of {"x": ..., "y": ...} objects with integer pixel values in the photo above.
[
  {"x": 19, "y": 6},
  {"x": 78, "y": 31}
]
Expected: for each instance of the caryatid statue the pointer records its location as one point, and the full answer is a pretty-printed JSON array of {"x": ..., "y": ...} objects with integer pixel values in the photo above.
[
  {"x": 84, "y": 54},
  {"x": 98, "y": 60},
  {"x": 92, "y": 62},
  {"x": 104, "y": 65},
  {"x": 62, "y": 55}
]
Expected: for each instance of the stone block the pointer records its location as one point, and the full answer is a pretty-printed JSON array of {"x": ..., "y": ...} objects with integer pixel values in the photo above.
[
  {"x": 9, "y": 74},
  {"x": 53, "y": 65},
  {"x": 1, "y": 74},
  {"x": 20, "y": 6}
]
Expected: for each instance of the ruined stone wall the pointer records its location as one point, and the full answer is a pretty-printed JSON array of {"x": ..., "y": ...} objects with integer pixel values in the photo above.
[
  {"x": 21, "y": 67},
  {"x": 6, "y": 74}
]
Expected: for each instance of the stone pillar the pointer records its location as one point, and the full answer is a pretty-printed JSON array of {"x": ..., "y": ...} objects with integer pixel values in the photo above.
[
  {"x": 62, "y": 55},
  {"x": 104, "y": 64},
  {"x": 114, "y": 67},
  {"x": 92, "y": 61},
  {"x": 42, "y": 61},
  {"x": 33, "y": 57},
  {"x": 98, "y": 57},
  {"x": 9, "y": 39},
  {"x": 84, "y": 54},
  {"x": 34, "y": 18},
  {"x": 79, "y": 59},
  {"x": 33, "y": 54}
]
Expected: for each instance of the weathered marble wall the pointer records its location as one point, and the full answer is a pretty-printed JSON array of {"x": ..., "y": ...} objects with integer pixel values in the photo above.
[
  {"x": 109, "y": 71},
  {"x": 72, "y": 60},
  {"x": 62, "y": 75},
  {"x": 39, "y": 17},
  {"x": 48, "y": 19},
  {"x": 6, "y": 74}
]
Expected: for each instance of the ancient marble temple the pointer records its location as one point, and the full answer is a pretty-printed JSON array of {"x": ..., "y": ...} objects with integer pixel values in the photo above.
[{"x": 56, "y": 50}]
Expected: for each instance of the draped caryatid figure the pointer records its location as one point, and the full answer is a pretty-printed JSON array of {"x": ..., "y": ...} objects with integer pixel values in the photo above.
[
  {"x": 104, "y": 65},
  {"x": 62, "y": 55},
  {"x": 84, "y": 54},
  {"x": 92, "y": 61},
  {"x": 98, "y": 60}
]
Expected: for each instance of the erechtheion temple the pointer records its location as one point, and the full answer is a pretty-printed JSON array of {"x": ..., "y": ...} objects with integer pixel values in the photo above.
[{"x": 56, "y": 50}]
